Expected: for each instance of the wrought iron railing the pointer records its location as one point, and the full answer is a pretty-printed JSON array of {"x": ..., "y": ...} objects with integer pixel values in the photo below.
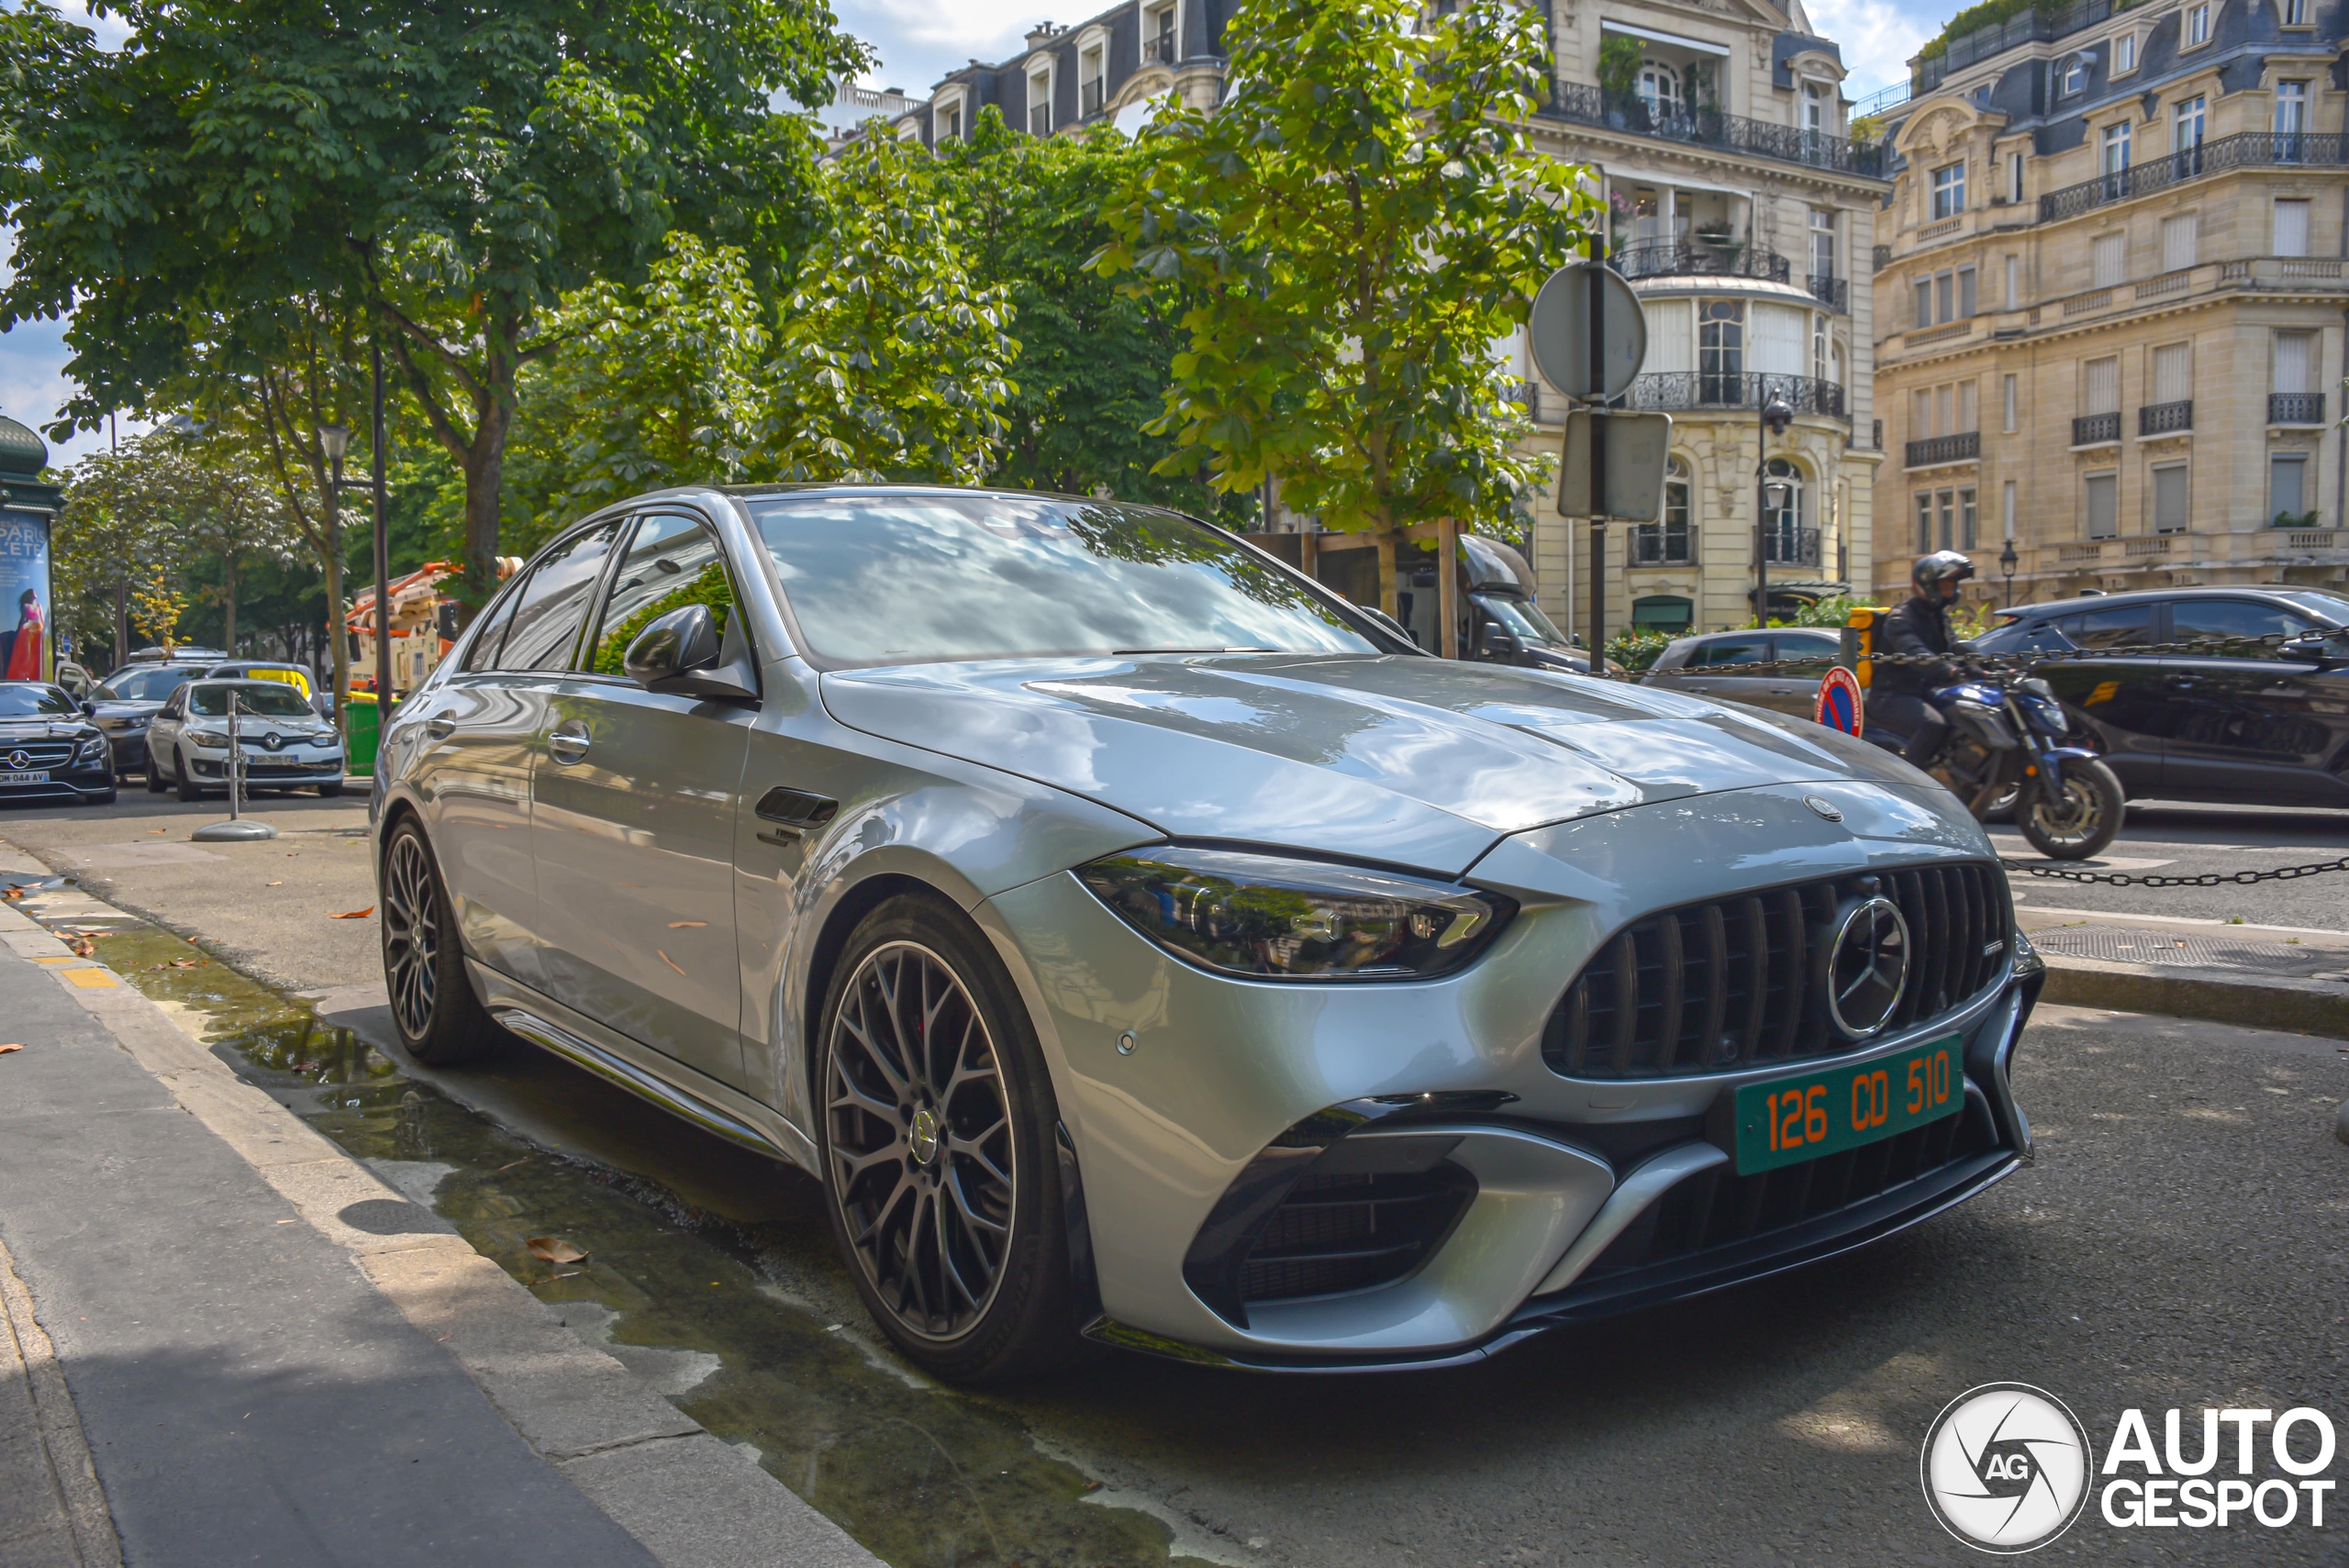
[
  {"x": 1963, "y": 447},
  {"x": 1835, "y": 293},
  {"x": 1542, "y": 407},
  {"x": 2163, "y": 418},
  {"x": 2296, "y": 407},
  {"x": 2251, "y": 149},
  {"x": 1090, "y": 96},
  {"x": 1702, "y": 258},
  {"x": 1586, "y": 104},
  {"x": 1663, "y": 544},
  {"x": 1159, "y": 50},
  {"x": 2096, "y": 429},
  {"x": 2034, "y": 26},
  {"x": 1789, "y": 546},
  {"x": 1696, "y": 391}
]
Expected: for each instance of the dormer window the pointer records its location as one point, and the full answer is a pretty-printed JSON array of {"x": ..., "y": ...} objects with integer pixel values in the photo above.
[
  {"x": 1040, "y": 101},
  {"x": 1092, "y": 80},
  {"x": 949, "y": 124},
  {"x": 2197, "y": 25},
  {"x": 1158, "y": 35},
  {"x": 2295, "y": 13},
  {"x": 2124, "y": 53},
  {"x": 2073, "y": 77}
]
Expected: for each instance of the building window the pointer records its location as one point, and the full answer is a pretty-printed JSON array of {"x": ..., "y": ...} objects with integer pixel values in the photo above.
[
  {"x": 1818, "y": 341},
  {"x": 2007, "y": 507},
  {"x": 2295, "y": 362},
  {"x": 1092, "y": 82},
  {"x": 1782, "y": 524},
  {"x": 2072, "y": 76},
  {"x": 2291, "y": 227},
  {"x": 2197, "y": 25},
  {"x": 2014, "y": 176},
  {"x": 2103, "y": 505},
  {"x": 2014, "y": 282},
  {"x": 1040, "y": 103},
  {"x": 1966, "y": 291},
  {"x": 1659, "y": 87},
  {"x": 2169, "y": 498},
  {"x": 2296, "y": 13},
  {"x": 2124, "y": 53},
  {"x": 2174, "y": 373},
  {"x": 1823, "y": 243},
  {"x": 1924, "y": 302},
  {"x": 2178, "y": 242},
  {"x": 1667, "y": 613},
  {"x": 1158, "y": 36},
  {"x": 1720, "y": 351},
  {"x": 1671, "y": 541},
  {"x": 2101, "y": 395},
  {"x": 2009, "y": 397},
  {"x": 2109, "y": 257},
  {"x": 2114, "y": 156},
  {"x": 1949, "y": 191},
  {"x": 1925, "y": 522},
  {"x": 2291, "y": 121},
  {"x": 2287, "y": 489},
  {"x": 1966, "y": 520},
  {"x": 950, "y": 127}
]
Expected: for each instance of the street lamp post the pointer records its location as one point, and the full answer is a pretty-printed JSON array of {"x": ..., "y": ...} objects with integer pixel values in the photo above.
[
  {"x": 335, "y": 439},
  {"x": 383, "y": 551},
  {"x": 2007, "y": 562},
  {"x": 1775, "y": 415}
]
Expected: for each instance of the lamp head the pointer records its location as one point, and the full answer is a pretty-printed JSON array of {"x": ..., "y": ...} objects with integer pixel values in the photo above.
[
  {"x": 1778, "y": 414},
  {"x": 336, "y": 439},
  {"x": 2008, "y": 559}
]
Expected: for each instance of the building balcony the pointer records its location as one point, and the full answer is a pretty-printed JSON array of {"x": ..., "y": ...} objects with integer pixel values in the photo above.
[
  {"x": 1790, "y": 546},
  {"x": 2296, "y": 407},
  {"x": 2251, "y": 149},
  {"x": 1585, "y": 104},
  {"x": 2165, "y": 418},
  {"x": 1723, "y": 258},
  {"x": 1963, "y": 447},
  {"x": 1159, "y": 50},
  {"x": 2095, "y": 430},
  {"x": 1698, "y": 392},
  {"x": 1833, "y": 292},
  {"x": 1663, "y": 544}
]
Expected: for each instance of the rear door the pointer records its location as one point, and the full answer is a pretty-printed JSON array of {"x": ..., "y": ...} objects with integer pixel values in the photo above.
[
  {"x": 2114, "y": 691},
  {"x": 632, "y": 820},
  {"x": 2252, "y": 726}
]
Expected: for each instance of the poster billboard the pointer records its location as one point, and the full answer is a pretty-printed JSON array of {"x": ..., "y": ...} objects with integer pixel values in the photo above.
[{"x": 24, "y": 596}]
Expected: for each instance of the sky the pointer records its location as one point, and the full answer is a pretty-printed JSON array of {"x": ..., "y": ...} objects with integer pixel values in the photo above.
[{"x": 918, "y": 42}]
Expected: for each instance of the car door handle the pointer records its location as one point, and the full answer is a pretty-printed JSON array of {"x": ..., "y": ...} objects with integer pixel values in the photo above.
[
  {"x": 2184, "y": 683},
  {"x": 568, "y": 744},
  {"x": 440, "y": 728}
]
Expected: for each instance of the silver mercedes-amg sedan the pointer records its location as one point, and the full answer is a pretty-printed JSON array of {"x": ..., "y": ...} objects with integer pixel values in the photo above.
[{"x": 1139, "y": 944}]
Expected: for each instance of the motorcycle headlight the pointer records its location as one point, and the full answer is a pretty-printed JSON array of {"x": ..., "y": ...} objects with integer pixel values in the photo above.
[
  {"x": 2045, "y": 714},
  {"x": 1265, "y": 917}
]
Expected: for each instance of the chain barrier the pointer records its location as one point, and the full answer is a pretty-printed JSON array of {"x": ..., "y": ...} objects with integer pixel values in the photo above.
[
  {"x": 2000, "y": 663},
  {"x": 2207, "y": 879}
]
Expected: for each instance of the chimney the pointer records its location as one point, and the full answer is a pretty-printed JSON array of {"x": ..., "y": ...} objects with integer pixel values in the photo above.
[{"x": 1043, "y": 33}]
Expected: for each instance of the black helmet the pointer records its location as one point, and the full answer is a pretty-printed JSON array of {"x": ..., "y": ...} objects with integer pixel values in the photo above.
[{"x": 1941, "y": 566}]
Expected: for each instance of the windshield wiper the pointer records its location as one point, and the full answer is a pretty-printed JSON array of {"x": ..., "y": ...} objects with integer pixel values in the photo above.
[{"x": 1121, "y": 652}]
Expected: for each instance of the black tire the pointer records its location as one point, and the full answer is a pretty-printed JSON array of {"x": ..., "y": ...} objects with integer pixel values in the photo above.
[
  {"x": 914, "y": 1228},
  {"x": 440, "y": 1018},
  {"x": 188, "y": 788},
  {"x": 2082, "y": 822},
  {"x": 154, "y": 777},
  {"x": 328, "y": 791}
]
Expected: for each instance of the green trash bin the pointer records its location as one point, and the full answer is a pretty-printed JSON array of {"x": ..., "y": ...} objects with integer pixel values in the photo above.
[{"x": 360, "y": 728}]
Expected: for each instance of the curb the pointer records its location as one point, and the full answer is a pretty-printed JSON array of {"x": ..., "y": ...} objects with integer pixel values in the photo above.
[{"x": 2226, "y": 996}]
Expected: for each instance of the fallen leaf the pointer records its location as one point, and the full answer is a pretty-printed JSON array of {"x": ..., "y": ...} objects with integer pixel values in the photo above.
[
  {"x": 357, "y": 914},
  {"x": 274, "y": 884},
  {"x": 158, "y": 829},
  {"x": 687, "y": 924},
  {"x": 81, "y": 945},
  {"x": 670, "y": 961},
  {"x": 5, "y": 1050},
  {"x": 555, "y": 1250},
  {"x": 185, "y": 962}
]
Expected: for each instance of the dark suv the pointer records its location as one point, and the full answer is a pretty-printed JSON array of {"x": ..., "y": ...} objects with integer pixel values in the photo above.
[{"x": 2246, "y": 723}]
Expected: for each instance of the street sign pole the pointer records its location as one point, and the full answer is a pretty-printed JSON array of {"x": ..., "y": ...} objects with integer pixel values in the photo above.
[{"x": 1598, "y": 466}]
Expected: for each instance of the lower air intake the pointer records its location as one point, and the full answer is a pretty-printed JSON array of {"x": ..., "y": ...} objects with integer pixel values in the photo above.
[{"x": 1350, "y": 1232}]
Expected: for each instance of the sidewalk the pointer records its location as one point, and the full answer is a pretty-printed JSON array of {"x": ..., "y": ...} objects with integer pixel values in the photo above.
[
  {"x": 247, "y": 1395},
  {"x": 2271, "y": 977}
]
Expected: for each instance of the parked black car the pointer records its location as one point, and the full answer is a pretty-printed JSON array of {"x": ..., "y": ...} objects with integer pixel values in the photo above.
[
  {"x": 125, "y": 701},
  {"x": 49, "y": 750},
  {"x": 2243, "y": 724}
]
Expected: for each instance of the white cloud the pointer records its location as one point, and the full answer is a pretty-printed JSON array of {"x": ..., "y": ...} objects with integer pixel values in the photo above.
[
  {"x": 920, "y": 41},
  {"x": 1877, "y": 37}
]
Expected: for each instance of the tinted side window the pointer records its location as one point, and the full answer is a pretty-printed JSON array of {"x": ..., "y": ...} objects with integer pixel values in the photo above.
[
  {"x": 2192, "y": 619},
  {"x": 1806, "y": 647},
  {"x": 671, "y": 561},
  {"x": 2125, "y": 626},
  {"x": 1732, "y": 650},
  {"x": 481, "y": 653},
  {"x": 553, "y": 603}
]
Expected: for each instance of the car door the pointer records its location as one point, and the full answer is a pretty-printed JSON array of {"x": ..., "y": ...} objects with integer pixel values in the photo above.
[
  {"x": 482, "y": 733},
  {"x": 1707, "y": 657},
  {"x": 632, "y": 820},
  {"x": 1796, "y": 691},
  {"x": 164, "y": 732},
  {"x": 2252, "y": 724},
  {"x": 2113, "y": 690}
]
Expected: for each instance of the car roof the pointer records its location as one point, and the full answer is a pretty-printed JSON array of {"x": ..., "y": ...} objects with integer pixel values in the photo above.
[{"x": 2149, "y": 595}]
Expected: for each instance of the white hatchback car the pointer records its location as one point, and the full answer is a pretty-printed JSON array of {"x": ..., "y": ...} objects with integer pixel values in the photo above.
[{"x": 286, "y": 744}]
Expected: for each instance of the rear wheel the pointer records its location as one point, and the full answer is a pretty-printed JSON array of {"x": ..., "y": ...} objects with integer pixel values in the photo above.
[
  {"x": 2077, "y": 820},
  {"x": 440, "y": 1021},
  {"x": 155, "y": 776},
  {"x": 936, "y": 1128},
  {"x": 188, "y": 789}
]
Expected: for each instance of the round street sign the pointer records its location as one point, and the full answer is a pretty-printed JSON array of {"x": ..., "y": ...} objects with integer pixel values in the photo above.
[
  {"x": 1559, "y": 331},
  {"x": 1839, "y": 705}
]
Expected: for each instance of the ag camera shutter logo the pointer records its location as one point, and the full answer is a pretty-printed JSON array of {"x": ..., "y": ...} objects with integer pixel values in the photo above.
[{"x": 2006, "y": 1468}]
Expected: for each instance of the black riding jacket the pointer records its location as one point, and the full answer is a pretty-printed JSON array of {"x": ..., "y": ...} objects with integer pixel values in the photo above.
[{"x": 1919, "y": 625}]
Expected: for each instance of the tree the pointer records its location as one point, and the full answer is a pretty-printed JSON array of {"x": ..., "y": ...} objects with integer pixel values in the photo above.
[
  {"x": 1092, "y": 370},
  {"x": 1355, "y": 225},
  {"x": 452, "y": 169}
]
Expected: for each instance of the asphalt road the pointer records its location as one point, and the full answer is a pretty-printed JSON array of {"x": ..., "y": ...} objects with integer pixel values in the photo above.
[
  {"x": 2172, "y": 839},
  {"x": 2178, "y": 1243}
]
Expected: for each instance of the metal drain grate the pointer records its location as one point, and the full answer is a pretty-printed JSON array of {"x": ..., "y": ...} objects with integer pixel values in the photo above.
[{"x": 2119, "y": 944}]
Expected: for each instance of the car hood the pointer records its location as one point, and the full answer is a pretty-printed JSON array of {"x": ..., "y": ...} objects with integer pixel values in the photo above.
[
  {"x": 60, "y": 729},
  {"x": 121, "y": 709},
  {"x": 1416, "y": 762}
]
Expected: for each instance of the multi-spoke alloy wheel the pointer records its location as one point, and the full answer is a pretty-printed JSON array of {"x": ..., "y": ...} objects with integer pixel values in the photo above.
[
  {"x": 411, "y": 934},
  {"x": 921, "y": 1137}
]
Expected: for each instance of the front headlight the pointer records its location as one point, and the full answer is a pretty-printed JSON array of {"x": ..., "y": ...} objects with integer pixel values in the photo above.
[
  {"x": 325, "y": 737},
  {"x": 90, "y": 751},
  {"x": 1267, "y": 918},
  {"x": 218, "y": 738}
]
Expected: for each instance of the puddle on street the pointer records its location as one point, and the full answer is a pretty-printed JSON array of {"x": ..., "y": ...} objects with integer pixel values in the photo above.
[{"x": 922, "y": 1477}]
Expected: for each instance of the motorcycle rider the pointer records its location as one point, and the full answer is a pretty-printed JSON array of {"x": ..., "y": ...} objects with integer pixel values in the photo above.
[{"x": 1899, "y": 694}]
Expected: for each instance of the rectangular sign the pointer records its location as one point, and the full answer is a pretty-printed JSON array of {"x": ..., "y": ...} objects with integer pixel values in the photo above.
[
  {"x": 1786, "y": 1121},
  {"x": 1637, "y": 447}
]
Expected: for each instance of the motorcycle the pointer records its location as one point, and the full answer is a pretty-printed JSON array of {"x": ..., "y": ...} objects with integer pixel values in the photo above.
[{"x": 2005, "y": 745}]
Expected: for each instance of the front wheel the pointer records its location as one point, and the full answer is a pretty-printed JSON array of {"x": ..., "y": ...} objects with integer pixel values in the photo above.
[
  {"x": 189, "y": 789},
  {"x": 328, "y": 791},
  {"x": 936, "y": 1136},
  {"x": 2077, "y": 822},
  {"x": 155, "y": 776},
  {"x": 440, "y": 1021}
]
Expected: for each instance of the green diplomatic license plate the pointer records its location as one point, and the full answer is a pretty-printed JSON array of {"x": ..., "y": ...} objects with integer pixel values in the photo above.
[{"x": 1789, "y": 1119}]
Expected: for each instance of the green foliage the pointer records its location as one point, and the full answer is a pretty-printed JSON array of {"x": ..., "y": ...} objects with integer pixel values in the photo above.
[
  {"x": 2306, "y": 519},
  {"x": 1637, "y": 651},
  {"x": 1618, "y": 64},
  {"x": 1351, "y": 230},
  {"x": 711, "y": 586}
]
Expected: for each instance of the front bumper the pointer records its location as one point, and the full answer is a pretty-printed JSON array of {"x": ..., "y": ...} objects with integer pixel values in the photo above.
[
  {"x": 288, "y": 769},
  {"x": 1416, "y": 1096},
  {"x": 129, "y": 750},
  {"x": 69, "y": 780}
]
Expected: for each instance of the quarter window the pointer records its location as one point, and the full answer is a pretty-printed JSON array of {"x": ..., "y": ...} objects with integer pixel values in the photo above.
[{"x": 2245, "y": 618}]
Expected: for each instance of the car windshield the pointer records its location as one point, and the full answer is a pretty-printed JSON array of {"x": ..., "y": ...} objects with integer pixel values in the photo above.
[
  {"x": 916, "y": 579},
  {"x": 264, "y": 699},
  {"x": 2330, "y": 607},
  {"x": 142, "y": 685},
  {"x": 1524, "y": 617},
  {"x": 22, "y": 699}
]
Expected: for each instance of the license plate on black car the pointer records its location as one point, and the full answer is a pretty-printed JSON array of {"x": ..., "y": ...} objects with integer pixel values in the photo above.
[
  {"x": 23, "y": 778},
  {"x": 1786, "y": 1121}
]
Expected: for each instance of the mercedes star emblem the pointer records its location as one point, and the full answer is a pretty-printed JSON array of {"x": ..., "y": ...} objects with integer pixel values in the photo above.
[
  {"x": 20, "y": 758},
  {"x": 1867, "y": 965},
  {"x": 1826, "y": 809}
]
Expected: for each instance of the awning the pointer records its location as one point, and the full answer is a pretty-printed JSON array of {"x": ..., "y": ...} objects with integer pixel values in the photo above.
[
  {"x": 1620, "y": 179},
  {"x": 1612, "y": 25}
]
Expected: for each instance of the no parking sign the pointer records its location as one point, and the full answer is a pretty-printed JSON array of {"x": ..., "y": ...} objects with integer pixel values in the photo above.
[{"x": 1838, "y": 701}]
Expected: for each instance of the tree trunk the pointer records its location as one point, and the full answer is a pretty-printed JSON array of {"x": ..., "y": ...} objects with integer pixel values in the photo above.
[
  {"x": 228, "y": 602},
  {"x": 1386, "y": 600},
  {"x": 485, "y": 472}
]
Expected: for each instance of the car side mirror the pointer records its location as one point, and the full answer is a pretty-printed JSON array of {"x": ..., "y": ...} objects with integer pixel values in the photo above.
[
  {"x": 1495, "y": 642},
  {"x": 2325, "y": 648},
  {"x": 88, "y": 706},
  {"x": 681, "y": 654}
]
